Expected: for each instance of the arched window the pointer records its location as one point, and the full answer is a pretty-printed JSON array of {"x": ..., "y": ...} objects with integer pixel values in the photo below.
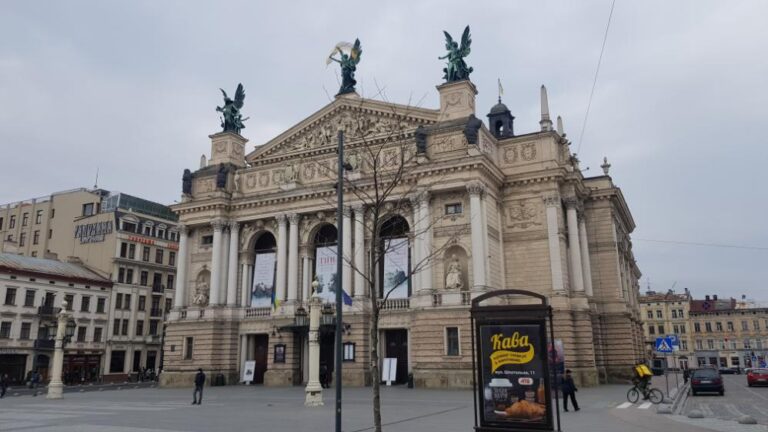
[
  {"x": 263, "y": 285},
  {"x": 394, "y": 268}
]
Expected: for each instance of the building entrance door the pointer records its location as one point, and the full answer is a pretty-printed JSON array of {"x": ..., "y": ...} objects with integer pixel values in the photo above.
[
  {"x": 397, "y": 347},
  {"x": 327, "y": 342},
  {"x": 261, "y": 345}
]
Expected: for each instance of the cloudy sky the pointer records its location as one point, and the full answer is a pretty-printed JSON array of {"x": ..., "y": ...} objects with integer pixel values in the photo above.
[{"x": 130, "y": 88}]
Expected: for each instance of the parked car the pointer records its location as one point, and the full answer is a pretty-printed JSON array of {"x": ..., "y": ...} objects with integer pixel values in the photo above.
[
  {"x": 728, "y": 371},
  {"x": 707, "y": 380},
  {"x": 657, "y": 371},
  {"x": 757, "y": 377}
]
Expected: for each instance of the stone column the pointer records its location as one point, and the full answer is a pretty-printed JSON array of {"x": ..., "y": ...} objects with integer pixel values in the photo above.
[
  {"x": 426, "y": 241},
  {"x": 552, "y": 202},
  {"x": 224, "y": 263},
  {"x": 346, "y": 269},
  {"x": 180, "y": 295},
  {"x": 577, "y": 278},
  {"x": 56, "y": 386},
  {"x": 360, "y": 288},
  {"x": 416, "y": 250},
  {"x": 234, "y": 246},
  {"x": 243, "y": 354},
  {"x": 313, "y": 391},
  {"x": 585, "y": 263},
  {"x": 282, "y": 246},
  {"x": 245, "y": 286},
  {"x": 306, "y": 274},
  {"x": 293, "y": 257},
  {"x": 214, "y": 297},
  {"x": 475, "y": 190}
]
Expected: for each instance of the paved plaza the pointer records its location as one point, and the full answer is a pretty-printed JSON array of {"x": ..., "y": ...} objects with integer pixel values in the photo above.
[
  {"x": 739, "y": 400},
  {"x": 257, "y": 408}
]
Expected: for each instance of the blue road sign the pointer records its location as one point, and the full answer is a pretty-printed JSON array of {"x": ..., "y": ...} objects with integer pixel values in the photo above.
[
  {"x": 664, "y": 345},
  {"x": 675, "y": 341}
]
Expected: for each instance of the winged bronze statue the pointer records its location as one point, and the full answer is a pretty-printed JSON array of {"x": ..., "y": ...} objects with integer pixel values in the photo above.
[
  {"x": 232, "y": 120},
  {"x": 348, "y": 62},
  {"x": 457, "y": 69}
]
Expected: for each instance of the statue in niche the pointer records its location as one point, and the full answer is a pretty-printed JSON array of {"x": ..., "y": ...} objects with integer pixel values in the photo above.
[
  {"x": 186, "y": 182},
  {"x": 453, "y": 278},
  {"x": 236, "y": 181},
  {"x": 201, "y": 294},
  {"x": 354, "y": 161},
  {"x": 348, "y": 62},
  {"x": 457, "y": 69},
  {"x": 290, "y": 174},
  {"x": 221, "y": 177},
  {"x": 421, "y": 139}
]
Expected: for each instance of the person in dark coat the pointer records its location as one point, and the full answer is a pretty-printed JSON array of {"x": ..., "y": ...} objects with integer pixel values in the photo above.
[
  {"x": 569, "y": 389},
  {"x": 4, "y": 381},
  {"x": 199, "y": 383}
]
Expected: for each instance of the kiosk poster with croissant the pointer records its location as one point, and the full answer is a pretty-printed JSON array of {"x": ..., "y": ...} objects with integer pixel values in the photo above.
[{"x": 514, "y": 374}]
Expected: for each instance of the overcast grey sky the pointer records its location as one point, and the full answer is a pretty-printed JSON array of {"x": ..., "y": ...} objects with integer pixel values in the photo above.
[{"x": 131, "y": 87}]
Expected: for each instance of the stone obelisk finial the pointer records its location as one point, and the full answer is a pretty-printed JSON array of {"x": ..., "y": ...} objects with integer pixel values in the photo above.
[
  {"x": 560, "y": 126},
  {"x": 546, "y": 123}
]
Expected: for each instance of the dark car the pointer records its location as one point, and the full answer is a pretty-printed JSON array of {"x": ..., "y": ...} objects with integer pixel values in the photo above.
[
  {"x": 707, "y": 380},
  {"x": 728, "y": 371},
  {"x": 757, "y": 377}
]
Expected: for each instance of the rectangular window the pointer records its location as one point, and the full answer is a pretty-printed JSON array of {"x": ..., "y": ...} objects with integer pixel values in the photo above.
[
  {"x": 153, "y": 326},
  {"x": 129, "y": 276},
  {"x": 139, "y": 328},
  {"x": 204, "y": 240},
  {"x": 661, "y": 329},
  {"x": 171, "y": 258},
  {"x": 100, "y": 304},
  {"x": 168, "y": 304},
  {"x": 684, "y": 345},
  {"x": 119, "y": 301},
  {"x": 117, "y": 362},
  {"x": 719, "y": 326},
  {"x": 36, "y": 237},
  {"x": 12, "y": 224},
  {"x": 651, "y": 329},
  {"x": 127, "y": 302},
  {"x": 128, "y": 226},
  {"x": 157, "y": 280},
  {"x": 756, "y": 324},
  {"x": 730, "y": 326},
  {"x": 85, "y": 304},
  {"x": 451, "y": 341},
  {"x": 97, "y": 334},
  {"x": 674, "y": 313},
  {"x": 188, "y": 347},
  {"x": 124, "y": 330},
  {"x": 699, "y": 345},
  {"x": 158, "y": 256},
  {"x": 650, "y": 314},
  {"x": 25, "y": 219},
  {"x": 453, "y": 209},
  {"x": 70, "y": 299},
  {"x": 722, "y": 344},
  {"x": 659, "y": 314},
  {"x": 145, "y": 253},
  {"x": 142, "y": 303},
  {"x": 744, "y": 326},
  {"x": 81, "y": 331},
  {"x": 697, "y": 327},
  {"x": 747, "y": 344},
  {"x": 39, "y": 217},
  {"x": 87, "y": 209},
  {"x": 5, "y": 330},
  {"x": 675, "y": 329},
  {"x": 29, "y": 298},
  {"x": 22, "y": 239},
  {"x": 708, "y": 327},
  {"x": 143, "y": 278},
  {"x": 147, "y": 230},
  {"x": 123, "y": 250},
  {"x": 682, "y": 328},
  {"x": 348, "y": 351},
  {"x": 132, "y": 251},
  {"x": 1, "y": 224},
  {"x": 10, "y": 296},
  {"x": 170, "y": 281},
  {"x": 116, "y": 328},
  {"x": 710, "y": 344},
  {"x": 50, "y": 234},
  {"x": 26, "y": 328},
  {"x": 121, "y": 275}
]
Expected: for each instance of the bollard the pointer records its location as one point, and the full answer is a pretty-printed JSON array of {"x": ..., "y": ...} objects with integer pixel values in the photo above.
[
  {"x": 745, "y": 419},
  {"x": 695, "y": 414}
]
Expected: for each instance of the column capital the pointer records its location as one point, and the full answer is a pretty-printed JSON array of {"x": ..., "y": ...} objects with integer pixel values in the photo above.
[
  {"x": 293, "y": 218},
  {"x": 281, "y": 219},
  {"x": 359, "y": 209},
  {"x": 551, "y": 200},
  {"x": 475, "y": 188},
  {"x": 572, "y": 203},
  {"x": 234, "y": 225},
  {"x": 218, "y": 224},
  {"x": 183, "y": 229},
  {"x": 346, "y": 211}
]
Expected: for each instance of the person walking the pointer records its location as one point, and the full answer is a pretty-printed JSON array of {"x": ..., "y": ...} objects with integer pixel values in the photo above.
[
  {"x": 199, "y": 383},
  {"x": 569, "y": 389},
  {"x": 4, "y": 380}
]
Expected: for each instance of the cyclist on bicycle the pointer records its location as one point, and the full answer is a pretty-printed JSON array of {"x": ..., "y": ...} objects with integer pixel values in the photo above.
[{"x": 642, "y": 378}]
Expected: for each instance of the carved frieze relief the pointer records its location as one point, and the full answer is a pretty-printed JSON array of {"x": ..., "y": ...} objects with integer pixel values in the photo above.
[{"x": 524, "y": 214}]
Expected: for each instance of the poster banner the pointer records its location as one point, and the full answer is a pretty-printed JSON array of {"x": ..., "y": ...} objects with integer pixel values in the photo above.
[
  {"x": 248, "y": 370},
  {"x": 396, "y": 268},
  {"x": 325, "y": 272},
  {"x": 263, "y": 280},
  {"x": 513, "y": 376}
]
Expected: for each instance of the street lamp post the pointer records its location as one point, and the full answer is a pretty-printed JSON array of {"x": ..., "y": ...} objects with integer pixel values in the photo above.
[
  {"x": 63, "y": 332},
  {"x": 314, "y": 391}
]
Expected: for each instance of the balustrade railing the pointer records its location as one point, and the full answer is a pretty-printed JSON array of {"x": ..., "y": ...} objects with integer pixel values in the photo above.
[
  {"x": 253, "y": 312},
  {"x": 394, "y": 304}
]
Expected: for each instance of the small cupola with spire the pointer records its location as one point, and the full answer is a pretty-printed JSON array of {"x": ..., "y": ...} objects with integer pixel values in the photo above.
[{"x": 500, "y": 121}]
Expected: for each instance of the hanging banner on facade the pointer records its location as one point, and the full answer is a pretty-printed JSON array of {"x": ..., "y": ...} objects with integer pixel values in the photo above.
[
  {"x": 513, "y": 375},
  {"x": 325, "y": 272},
  {"x": 263, "y": 280},
  {"x": 396, "y": 268}
]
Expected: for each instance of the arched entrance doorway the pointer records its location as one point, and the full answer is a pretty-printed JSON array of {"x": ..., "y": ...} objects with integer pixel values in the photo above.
[{"x": 262, "y": 288}]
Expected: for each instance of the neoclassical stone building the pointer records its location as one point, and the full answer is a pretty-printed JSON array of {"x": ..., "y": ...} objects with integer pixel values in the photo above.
[{"x": 494, "y": 210}]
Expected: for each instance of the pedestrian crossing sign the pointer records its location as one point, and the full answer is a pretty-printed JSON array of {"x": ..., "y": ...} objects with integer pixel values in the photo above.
[{"x": 664, "y": 345}]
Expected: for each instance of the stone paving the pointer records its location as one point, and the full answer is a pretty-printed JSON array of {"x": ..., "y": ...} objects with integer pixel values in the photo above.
[{"x": 739, "y": 400}]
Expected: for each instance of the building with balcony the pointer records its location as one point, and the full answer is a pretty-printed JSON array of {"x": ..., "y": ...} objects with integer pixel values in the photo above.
[
  {"x": 485, "y": 209},
  {"x": 32, "y": 291}
]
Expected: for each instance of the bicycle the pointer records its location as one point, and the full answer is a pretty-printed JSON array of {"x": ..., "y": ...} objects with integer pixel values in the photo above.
[{"x": 652, "y": 394}]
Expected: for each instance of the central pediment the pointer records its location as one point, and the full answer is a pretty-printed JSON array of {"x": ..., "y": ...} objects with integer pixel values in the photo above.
[{"x": 356, "y": 116}]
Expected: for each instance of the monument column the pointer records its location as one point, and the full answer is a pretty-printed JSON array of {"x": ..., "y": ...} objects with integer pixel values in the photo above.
[
  {"x": 475, "y": 189},
  {"x": 282, "y": 245},
  {"x": 360, "y": 288},
  {"x": 234, "y": 243},
  {"x": 426, "y": 241},
  {"x": 346, "y": 269},
  {"x": 577, "y": 278},
  {"x": 180, "y": 295},
  {"x": 214, "y": 297},
  {"x": 552, "y": 203},
  {"x": 585, "y": 263},
  {"x": 293, "y": 257}
]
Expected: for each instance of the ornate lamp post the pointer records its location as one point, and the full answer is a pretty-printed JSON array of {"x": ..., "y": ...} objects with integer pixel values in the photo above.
[
  {"x": 64, "y": 332},
  {"x": 314, "y": 391}
]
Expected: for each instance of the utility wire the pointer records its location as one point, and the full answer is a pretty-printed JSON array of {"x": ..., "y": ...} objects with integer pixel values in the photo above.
[
  {"x": 703, "y": 244},
  {"x": 597, "y": 72}
]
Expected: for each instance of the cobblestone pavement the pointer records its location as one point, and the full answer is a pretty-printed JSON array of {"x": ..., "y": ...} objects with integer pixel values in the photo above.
[
  {"x": 256, "y": 408},
  {"x": 739, "y": 400}
]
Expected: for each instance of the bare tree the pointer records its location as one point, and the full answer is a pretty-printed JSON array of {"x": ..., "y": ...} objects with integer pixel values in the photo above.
[{"x": 385, "y": 166}]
